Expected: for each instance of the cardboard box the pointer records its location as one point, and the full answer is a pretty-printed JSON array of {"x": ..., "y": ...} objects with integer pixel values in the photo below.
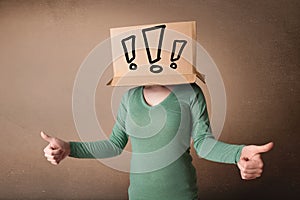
[{"x": 155, "y": 54}]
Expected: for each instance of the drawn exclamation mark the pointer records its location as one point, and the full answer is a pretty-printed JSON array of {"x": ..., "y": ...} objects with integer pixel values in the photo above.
[
  {"x": 176, "y": 56},
  {"x": 154, "y": 45},
  {"x": 129, "y": 43}
]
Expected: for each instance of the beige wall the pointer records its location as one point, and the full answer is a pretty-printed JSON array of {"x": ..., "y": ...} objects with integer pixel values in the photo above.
[{"x": 43, "y": 43}]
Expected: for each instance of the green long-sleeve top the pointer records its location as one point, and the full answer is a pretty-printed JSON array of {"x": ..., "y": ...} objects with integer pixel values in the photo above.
[{"x": 161, "y": 164}]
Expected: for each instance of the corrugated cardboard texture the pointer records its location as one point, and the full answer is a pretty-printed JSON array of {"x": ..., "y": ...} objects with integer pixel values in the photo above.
[{"x": 255, "y": 44}]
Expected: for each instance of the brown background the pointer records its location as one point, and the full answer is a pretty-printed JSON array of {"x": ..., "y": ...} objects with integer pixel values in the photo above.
[{"x": 255, "y": 44}]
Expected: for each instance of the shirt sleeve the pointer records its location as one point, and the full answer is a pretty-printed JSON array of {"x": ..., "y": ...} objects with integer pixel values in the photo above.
[
  {"x": 105, "y": 148},
  {"x": 205, "y": 144}
]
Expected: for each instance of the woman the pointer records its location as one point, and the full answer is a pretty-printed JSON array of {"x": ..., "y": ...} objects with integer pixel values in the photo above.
[{"x": 160, "y": 121}]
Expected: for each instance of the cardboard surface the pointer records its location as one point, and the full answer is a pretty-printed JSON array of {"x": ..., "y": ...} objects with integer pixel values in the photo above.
[{"x": 154, "y": 54}]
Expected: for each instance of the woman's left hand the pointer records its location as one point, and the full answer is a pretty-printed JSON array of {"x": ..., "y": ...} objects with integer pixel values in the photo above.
[{"x": 250, "y": 163}]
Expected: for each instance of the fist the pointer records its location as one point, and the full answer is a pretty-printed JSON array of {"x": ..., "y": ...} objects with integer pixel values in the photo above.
[
  {"x": 250, "y": 163},
  {"x": 56, "y": 150}
]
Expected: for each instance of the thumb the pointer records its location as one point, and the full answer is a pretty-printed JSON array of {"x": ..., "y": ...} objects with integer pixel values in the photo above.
[
  {"x": 46, "y": 137},
  {"x": 263, "y": 148}
]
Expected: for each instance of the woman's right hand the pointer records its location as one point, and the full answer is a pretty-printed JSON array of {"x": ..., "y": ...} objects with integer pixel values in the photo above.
[{"x": 56, "y": 150}]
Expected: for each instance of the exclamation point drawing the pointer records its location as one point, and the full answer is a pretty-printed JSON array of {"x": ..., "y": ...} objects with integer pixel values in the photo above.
[
  {"x": 176, "y": 56},
  {"x": 153, "y": 45},
  {"x": 129, "y": 55}
]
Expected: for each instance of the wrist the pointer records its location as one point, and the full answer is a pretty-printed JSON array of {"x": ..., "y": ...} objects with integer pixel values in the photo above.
[
  {"x": 239, "y": 153},
  {"x": 68, "y": 148},
  {"x": 72, "y": 150}
]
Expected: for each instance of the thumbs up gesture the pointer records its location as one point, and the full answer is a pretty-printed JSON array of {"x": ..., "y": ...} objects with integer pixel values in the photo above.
[
  {"x": 56, "y": 150},
  {"x": 250, "y": 163}
]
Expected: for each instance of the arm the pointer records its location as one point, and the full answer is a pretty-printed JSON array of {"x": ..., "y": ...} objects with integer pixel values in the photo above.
[
  {"x": 205, "y": 144},
  {"x": 102, "y": 148},
  {"x": 247, "y": 158},
  {"x": 58, "y": 149},
  {"x": 105, "y": 148}
]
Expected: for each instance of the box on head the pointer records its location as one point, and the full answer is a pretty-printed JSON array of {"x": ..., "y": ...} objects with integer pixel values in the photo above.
[{"x": 155, "y": 54}]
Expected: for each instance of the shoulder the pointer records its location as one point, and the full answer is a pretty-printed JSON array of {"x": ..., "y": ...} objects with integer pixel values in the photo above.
[
  {"x": 197, "y": 91},
  {"x": 189, "y": 92},
  {"x": 134, "y": 90},
  {"x": 130, "y": 92}
]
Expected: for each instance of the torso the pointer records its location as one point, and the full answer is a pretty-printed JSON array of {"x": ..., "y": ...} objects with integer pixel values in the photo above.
[{"x": 158, "y": 126}]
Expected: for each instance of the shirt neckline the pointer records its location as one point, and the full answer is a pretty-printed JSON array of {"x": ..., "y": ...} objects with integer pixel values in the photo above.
[{"x": 144, "y": 102}]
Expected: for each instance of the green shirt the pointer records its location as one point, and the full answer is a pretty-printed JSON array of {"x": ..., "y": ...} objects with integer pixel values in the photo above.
[{"x": 161, "y": 164}]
